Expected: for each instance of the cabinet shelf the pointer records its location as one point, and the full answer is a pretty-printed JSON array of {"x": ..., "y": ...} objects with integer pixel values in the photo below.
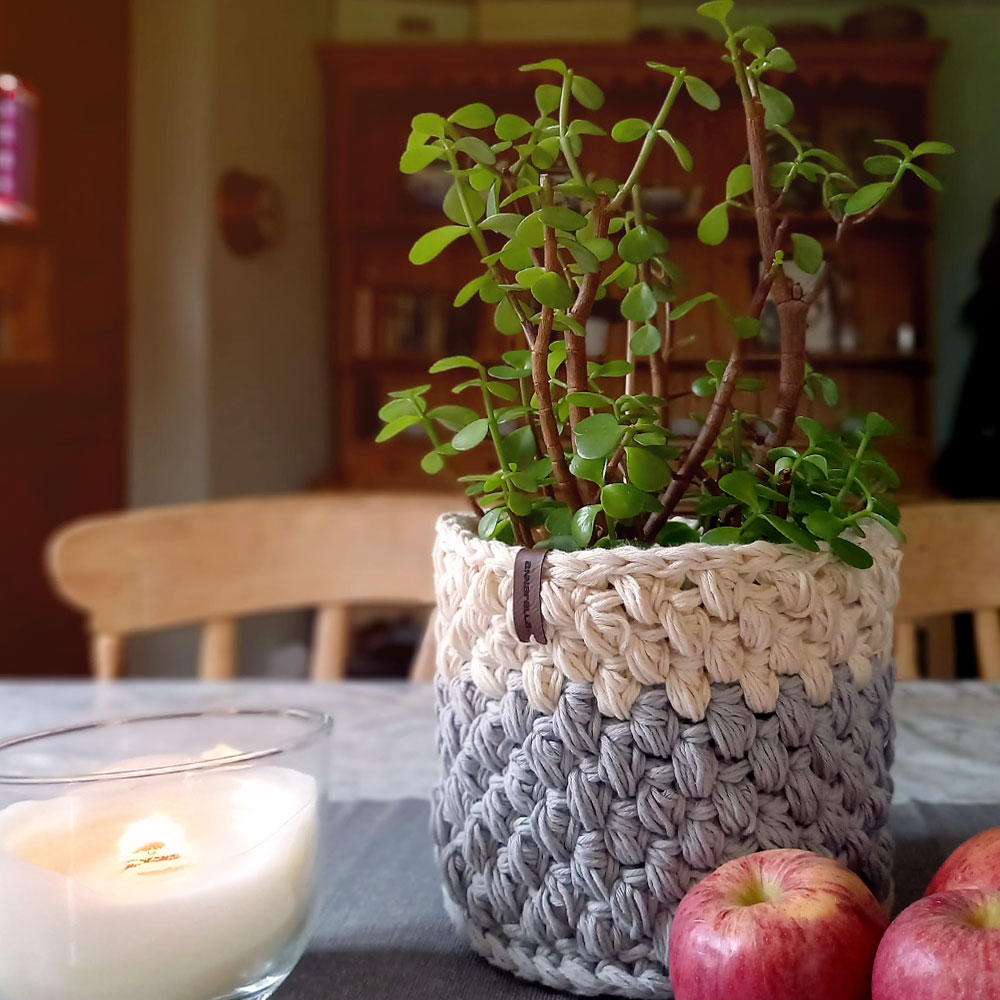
[
  {"x": 825, "y": 360},
  {"x": 381, "y": 340},
  {"x": 902, "y": 223}
]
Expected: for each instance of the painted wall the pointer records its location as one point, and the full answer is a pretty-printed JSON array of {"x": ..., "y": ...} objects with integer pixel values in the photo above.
[{"x": 228, "y": 386}]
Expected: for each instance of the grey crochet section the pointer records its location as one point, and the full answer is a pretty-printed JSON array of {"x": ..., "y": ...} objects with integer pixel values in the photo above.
[{"x": 568, "y": 839}]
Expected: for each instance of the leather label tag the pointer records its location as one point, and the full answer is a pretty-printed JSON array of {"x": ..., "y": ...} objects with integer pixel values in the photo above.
[{"x": 527, "y": 597}]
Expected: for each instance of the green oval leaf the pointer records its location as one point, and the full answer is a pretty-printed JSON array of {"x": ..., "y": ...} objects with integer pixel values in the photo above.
[
  {"x": 721, "y": 536},
  {"x": 701, "y": 93},
  {"x": 781, "y": 60},
  {"x": 527, "y": 276},
  {"x": 429, "y": 123},
  {"x": 475, "y": 147},
  {"x": 808, "y": 252},
  {"x": 630, "y": 129},
  {"x": 515, "y": 256},
  {"x": 639, "y": 303},
  {"x": 851, "y": 554},
  {"x": 417, "y": 158},
  {"x": 676, "y": 533},
  {"x": 646, "y": 340},
  {"x": 882, "y": 164},
  {"x": 554, "y": 64},
  {"x": 491, "y": 523},
  {"x": 476, "y": 115},
  {"x": 647, "y": 470},
  {"x": 587, "y": 92},
  {"x": 681, "y": 151},
  {"x": 431, "y": 244},
  {"x": 928, "y": 178},
  {"x": 941, "y": 148},
  {"x": 597, "y": 436},
  {"x": 454, "y": 208},
  {"x": 457, "y": 361},
  {"x": 453, "y": 417},
  {"x": 590, "y": 469},
  {"x": 823, "y": 524},
  {"x": 756, "y": 39},
  {"x": 792, "y": 531},
  {"x": 396, "y": 408},
  {"x": 530, "y": 232},
  {"x": 622, "y": 500},
  {"x": 511, "y": 127},
  {"x": 714, "y": 226},
  {"x": 679, "y": 312},
  {"x": 641, "y": 244},
  {"x": 547, "y": 97},
  {"x": 505, "y": 319},
  {"x": 741, "y": 486},
  {"x": 396, "y": 426},
  {"x": 471, "y": 434},
  {"x": 560, "y": 217},
  {"x": 739, "y": 181},
  {"x": 551, "y": 290},
  {"x": 469, "y": 289},
  {"x": 778, "y": 106},
  {"x": 519, "y": 446},
  {"x": 582, "y": 526},
  {"x": 502, "y": 222},
  {"x": 588, "y": 399},
  {"x": 717, "y": 10},
  {"x": 432, "y": 463},
  {"x": 877, "y": 426},
  {"x": 866, "y": 197},
  {"x": 600, "y": 247}
]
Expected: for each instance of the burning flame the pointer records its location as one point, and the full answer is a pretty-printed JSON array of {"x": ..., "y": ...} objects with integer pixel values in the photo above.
[{"x": 154, "y": 844}]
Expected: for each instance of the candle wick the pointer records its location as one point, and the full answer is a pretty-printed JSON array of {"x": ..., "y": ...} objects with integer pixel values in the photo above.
[{"x": 153, "y": 853}]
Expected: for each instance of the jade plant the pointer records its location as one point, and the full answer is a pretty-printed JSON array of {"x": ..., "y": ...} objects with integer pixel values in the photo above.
[{"x": 576, "y": 466}]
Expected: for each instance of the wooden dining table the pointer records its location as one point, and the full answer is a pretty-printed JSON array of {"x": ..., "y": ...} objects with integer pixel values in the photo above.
[{"x": 382, "y": 930}]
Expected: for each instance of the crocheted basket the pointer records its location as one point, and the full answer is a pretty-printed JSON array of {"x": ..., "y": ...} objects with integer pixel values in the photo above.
[{"x": 690, "y": 705}]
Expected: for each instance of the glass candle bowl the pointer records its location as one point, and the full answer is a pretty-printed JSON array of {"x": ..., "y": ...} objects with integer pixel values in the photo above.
[{"x": 171, "y": 856}]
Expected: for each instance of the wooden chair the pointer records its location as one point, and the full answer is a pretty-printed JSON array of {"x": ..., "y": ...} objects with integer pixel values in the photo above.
[
  {"x": 951, "y": 564},
  {"x": 211, "y": 563}
]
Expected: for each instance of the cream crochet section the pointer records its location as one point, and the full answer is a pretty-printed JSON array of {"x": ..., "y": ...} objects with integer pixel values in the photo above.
[{"x": 682, "y": 617}]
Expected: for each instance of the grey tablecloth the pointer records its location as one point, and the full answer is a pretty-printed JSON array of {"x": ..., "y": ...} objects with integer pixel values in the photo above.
[
  {"x": 384, "y": 934},
  {"x": 383, "y": 931},
  {"x": 948, "y": 747}
]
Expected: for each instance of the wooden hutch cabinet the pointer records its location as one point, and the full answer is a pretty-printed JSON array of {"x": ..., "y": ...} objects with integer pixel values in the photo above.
[{"x": 389, "y": 319}]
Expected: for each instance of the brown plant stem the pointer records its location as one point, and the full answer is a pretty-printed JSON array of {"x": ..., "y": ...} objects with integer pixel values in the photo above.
[
  {"x": 566, "y": 489},
  {"x": 714, "y": 422},
  {"x": 658, "y": 368},
  {"x": 522, "y": 533},
  {"x": 793, "y": 314},
  {"x": 576, "y": 346}
]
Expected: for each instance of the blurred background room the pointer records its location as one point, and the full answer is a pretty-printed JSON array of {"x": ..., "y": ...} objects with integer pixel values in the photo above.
[{"x": 204, "y": 284}]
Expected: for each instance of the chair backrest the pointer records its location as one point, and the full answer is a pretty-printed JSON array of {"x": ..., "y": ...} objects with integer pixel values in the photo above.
[
  {"x": 951, "y": 563},
  {"x": 213, "y": 562}
]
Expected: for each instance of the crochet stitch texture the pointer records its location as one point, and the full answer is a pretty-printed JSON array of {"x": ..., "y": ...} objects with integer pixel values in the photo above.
[{"x": 579, "y": 800}]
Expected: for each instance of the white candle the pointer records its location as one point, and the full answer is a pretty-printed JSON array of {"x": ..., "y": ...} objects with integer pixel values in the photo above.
[{"x": 187, "y": 886}]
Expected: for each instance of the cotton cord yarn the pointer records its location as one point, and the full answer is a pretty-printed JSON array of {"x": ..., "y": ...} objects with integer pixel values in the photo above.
[
  {"x": 686, "y": 617},
  {"x": 579, "y": 800}
]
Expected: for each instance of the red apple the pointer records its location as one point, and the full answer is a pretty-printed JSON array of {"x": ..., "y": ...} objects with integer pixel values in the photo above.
[
  {"x": 973, "y": 865},
  {"x": 943, "y": 947},
  {"x": 778, "y": 925}
]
